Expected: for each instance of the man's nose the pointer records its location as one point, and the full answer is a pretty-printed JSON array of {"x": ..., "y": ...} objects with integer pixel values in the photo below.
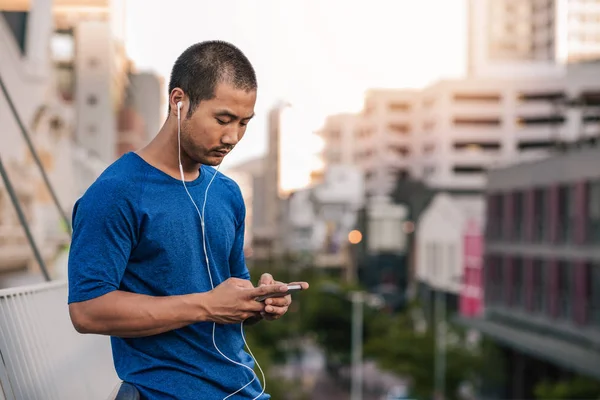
[{"x": 231, "y": 136}]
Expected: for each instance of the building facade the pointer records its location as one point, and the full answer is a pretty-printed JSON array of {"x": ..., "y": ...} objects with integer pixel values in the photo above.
[
  {"x": 531, "y": 36},
  {"x": 542, "y": 268}
]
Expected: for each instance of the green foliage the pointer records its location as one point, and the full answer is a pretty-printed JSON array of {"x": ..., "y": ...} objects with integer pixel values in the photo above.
[
  {"x": 325, "y": 315},
  {"x": 407, "y": 352},
  {"x": 576, "y": 388}
]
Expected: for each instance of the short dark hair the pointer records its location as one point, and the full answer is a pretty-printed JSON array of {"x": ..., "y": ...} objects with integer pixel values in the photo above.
[{"x": 203, "y": 65}]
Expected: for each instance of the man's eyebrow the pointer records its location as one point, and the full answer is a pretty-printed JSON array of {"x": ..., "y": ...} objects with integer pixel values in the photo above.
[{"x": 229, "y": 114}]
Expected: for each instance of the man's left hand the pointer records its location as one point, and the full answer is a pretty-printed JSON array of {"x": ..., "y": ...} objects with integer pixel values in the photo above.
[{"x": 276, "y": 307}]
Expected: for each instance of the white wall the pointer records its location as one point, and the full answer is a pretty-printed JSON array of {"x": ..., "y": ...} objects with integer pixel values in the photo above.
[{"x": 439, "y": 237}]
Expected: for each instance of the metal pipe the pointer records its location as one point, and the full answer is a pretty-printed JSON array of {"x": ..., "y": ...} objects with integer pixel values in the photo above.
[
  {"x": 34, "y": 153},
  {"x": 23, "y": 220}
]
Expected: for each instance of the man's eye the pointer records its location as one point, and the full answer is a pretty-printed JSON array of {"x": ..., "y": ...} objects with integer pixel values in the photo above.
[{"x": 221, "y": 122}]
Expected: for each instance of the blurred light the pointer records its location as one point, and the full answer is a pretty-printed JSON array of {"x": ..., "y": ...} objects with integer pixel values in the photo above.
[
  {"x": 474, "y": 147},
  {"x": 408, "y": 227},
  {"x": 355, "y": 237}
]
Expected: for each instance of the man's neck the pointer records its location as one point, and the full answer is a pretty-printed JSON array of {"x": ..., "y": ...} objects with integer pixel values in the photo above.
[{"x": 162, "y": 153}]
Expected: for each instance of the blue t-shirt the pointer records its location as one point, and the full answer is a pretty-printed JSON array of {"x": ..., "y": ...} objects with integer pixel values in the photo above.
[{"x": 135, "y": 229}]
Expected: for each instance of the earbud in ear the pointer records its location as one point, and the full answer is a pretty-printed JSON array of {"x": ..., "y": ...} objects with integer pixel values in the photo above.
[{"x": 179, "y": 104}]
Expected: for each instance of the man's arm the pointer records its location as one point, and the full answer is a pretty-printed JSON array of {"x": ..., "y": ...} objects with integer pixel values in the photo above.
[{"x": 125, "y": 314}]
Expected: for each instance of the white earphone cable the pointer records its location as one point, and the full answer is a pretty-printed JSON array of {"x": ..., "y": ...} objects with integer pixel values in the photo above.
[{"x": 201, "y": 215}]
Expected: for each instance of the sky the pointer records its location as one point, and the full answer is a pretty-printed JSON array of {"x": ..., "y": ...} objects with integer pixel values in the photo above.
[{"x": 318, "y": 55}]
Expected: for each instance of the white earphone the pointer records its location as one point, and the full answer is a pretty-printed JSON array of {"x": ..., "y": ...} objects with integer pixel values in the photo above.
[{"x": 201, "y": 215}]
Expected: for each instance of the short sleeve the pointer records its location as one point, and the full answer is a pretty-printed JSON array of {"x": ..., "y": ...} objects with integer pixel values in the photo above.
[
  {"x": 237, "y": 261},
  {"x": 104, "y": 234}
]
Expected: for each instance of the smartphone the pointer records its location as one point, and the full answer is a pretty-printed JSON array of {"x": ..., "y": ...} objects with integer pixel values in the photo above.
[{"x": 291, "y": 288}]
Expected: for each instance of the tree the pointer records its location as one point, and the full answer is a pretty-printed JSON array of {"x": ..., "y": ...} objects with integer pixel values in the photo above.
[
  {"x": 579, "y": 387},
  {"x": 408, "y": 352}
]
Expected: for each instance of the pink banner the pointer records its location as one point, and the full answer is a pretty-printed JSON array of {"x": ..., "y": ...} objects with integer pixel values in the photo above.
[{"x": 471, "y": 296}]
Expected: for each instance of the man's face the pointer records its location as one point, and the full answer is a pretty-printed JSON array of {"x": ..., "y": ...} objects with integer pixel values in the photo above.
[{"x": 217, "y": 125}]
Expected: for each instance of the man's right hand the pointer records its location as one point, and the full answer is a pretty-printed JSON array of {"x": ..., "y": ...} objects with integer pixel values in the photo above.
[{"x": 234, "y": 300}]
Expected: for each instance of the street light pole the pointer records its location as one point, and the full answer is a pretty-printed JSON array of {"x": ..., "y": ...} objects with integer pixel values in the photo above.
[
  {"x": 357, "y": 345},
  {"x": 440, "y": 344}
]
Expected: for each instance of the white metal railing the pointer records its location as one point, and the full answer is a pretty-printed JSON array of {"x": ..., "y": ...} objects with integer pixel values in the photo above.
[{"x": 42, "y": 357}]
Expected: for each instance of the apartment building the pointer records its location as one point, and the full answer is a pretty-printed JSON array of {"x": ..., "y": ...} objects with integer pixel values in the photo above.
[
  {"x": 378, "y": 140},
  {"x": 531, "y": 36},
  {"x": 542, "y": 268}
]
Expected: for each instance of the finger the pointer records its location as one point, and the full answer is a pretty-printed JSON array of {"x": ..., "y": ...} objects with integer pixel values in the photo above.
[
  {"x": 304, "y": 285},
  {"x": 279, "y": 301},
  {"x": 272, "y": 310},
  {"x": 266, "y": 279},
  {"x": 266, "y": 289},
  {"x": 244, "y": 283}
]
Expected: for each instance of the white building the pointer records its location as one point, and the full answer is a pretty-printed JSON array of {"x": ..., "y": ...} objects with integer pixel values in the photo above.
[
  {"x": 531, "y": 36},
  {"x": 440, "y": 233},
  {"x": 451, "y": 132},
  {"x": 318, "y": 219},
  {"x": 379, "y": 140}
]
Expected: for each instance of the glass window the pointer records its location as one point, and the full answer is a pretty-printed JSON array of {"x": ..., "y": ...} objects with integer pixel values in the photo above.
[
  {"x": 593, "y": 293},
  {"x": 538, "y": 287},
  {"x": 593, "y": 212},
  {"x": 566, "y": 213},
  {"x": 540, "y": 214},
  {"x": 565, "y": 291},
  {"x": 518, "y": 286},
  {"x": 518, "y": 216}
]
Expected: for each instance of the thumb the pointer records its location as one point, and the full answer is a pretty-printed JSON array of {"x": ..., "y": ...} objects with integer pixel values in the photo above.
[{"x": 266, "y": 279}]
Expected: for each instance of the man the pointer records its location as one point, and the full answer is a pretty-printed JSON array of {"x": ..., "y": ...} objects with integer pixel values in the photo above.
[{"x": 143, "y": 265}]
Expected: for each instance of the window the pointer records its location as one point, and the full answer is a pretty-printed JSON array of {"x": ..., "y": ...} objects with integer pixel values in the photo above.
[
  {"x": 540, "y": 214},
  {"x": 535, "y": 145},
  {"x": 62, "y": 46},
  {"x": 399, "y": 129},
  {"x": 541, "y": 96},
  {"x": 428, "y": 148},
  {"x": 402, "y": 151},
  {"x": 494, "y": 280},
  {"x": 518, "y": 286},
  {"x": 593, "y": 292},
  {"x": 468, "y": 169},
  {"x": 566, "y": 213},
  {"x": 92, "y": 100},
  {"x": 495, "y": 211},
  {"x": 564, "y": 289},
  {"x": 593, "y": 212},
  {"x": 477, "y": 146},
  {"x": 399, "y": 106},
  {"x": 518, "y": 220},
  {"x": 465, "y": 122},
  {"x": 541, "y": 120},
  {"x": 477, "y": 97},
  {"x": 538, "y": 287}
]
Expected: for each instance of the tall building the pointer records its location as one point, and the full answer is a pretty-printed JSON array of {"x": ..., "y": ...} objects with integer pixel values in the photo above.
[
  {"x": 92, "y": 70},
  {"x": 531, "y": 36},
  {"x": 542, "y": 271}
]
